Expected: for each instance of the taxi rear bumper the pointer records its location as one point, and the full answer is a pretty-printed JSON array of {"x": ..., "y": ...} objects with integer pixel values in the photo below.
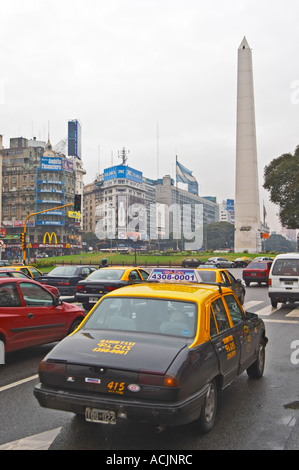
[{"x": 160, "y": 414}]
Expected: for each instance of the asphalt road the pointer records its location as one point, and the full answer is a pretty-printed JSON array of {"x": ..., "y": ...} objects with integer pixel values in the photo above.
[{"x": 252, "y": 414}]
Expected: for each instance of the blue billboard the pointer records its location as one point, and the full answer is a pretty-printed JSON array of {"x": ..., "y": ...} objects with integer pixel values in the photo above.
[
  {"x": 122, "y": 171},
  {"x": 51, "y": 163}
]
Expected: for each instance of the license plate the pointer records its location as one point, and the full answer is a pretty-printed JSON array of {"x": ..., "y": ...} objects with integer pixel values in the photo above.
[
  {"x": 288, "y": 282},
  {"x": 253, "y": 274},
  {"x": 93, "y": 300},
  {"x": 95, "y": 415}
]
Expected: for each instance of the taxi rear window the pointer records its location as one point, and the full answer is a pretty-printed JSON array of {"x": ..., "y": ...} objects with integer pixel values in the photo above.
[
  {"x": 208, "y": 276},
  {"x": 145, "y": 315},
  {"x": 106, "y": 274}
]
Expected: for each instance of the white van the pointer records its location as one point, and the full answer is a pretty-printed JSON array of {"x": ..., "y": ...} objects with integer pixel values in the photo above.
[{"x": 284, "y": 279}]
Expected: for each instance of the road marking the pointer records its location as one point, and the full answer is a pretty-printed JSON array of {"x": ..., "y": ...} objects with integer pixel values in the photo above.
[
  {"x": 251, "y": 303},
  {"x": 294, "y": 313},
  {"x": 19, "y": 382},
  {"x": 40, "y": 441},
  {"x": 268, "y": 310}
]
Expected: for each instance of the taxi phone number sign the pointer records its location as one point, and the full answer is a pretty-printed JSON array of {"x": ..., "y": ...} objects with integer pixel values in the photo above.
[{"x": 174, "y": 275}]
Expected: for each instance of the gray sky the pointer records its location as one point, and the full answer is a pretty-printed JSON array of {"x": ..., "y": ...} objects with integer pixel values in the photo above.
[{"x": 127, "y": 67}]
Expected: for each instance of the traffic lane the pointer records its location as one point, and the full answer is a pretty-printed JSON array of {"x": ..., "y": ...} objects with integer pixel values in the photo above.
[
  {"x": 252, "y": 414},
  {"x": 22, "y": 364},
  {"x": 21, "y": 416}
]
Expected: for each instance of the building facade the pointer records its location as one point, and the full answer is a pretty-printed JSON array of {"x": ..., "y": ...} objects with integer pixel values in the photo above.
[{"x": 35, "y": 179}]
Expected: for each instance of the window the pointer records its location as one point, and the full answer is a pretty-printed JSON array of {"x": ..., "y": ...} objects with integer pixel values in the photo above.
[
  {"x": 220, "y": 315},
  {"x": 35, "y": 295},
  {"x": 9, "y": 295},
  {"x": 234, "y": 309}
]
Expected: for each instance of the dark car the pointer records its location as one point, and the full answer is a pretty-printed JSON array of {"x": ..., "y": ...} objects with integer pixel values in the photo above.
[
  {"x": 154, "y": 353},
  {"x": 191, "y": 263},
  {"x": 20, "y": 274},
  {"x": 106, "y": 280},
  {"x": 220, "y": 262},
  {"x": 66, "y": 278},
  {"x": 242, "y": 262},
  {"x": 30, "y": 315},
  {"x": 257, "y": 271}
]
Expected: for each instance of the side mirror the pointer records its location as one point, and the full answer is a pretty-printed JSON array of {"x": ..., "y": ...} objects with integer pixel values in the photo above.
[{"x": 57, "y": 301}]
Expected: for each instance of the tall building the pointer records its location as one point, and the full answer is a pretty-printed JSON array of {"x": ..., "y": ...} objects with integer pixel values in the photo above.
[
  {"x": 247, "y": 205},
  {"x": 34, "y": 179}
]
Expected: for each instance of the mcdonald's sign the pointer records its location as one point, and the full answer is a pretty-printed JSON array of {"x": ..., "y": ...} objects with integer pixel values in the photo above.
[{"x": 53, "y": 235}]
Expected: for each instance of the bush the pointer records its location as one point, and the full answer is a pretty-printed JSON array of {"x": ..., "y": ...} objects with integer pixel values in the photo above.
[{"x": 44, "y": 263}]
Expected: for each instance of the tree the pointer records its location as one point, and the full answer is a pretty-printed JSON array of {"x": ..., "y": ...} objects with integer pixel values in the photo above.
[{"x": 282, "y": 181}]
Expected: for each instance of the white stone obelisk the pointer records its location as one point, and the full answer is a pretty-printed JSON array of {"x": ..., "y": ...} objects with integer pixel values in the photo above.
[{"x": 247, "y": 206}]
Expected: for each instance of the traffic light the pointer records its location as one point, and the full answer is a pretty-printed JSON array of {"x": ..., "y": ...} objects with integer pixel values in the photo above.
[
  {"x": 22, "y": 236},
  {"x": 77, "y": 203}
]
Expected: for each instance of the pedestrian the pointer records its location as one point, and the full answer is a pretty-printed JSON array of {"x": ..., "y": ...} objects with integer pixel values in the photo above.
[{"x": 104, "y": 263}]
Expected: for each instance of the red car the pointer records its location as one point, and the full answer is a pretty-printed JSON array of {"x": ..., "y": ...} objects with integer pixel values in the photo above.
[
  {"x": 257, "y": 271},
  {"x": 19, "y": 274},
  {"x": 30, "y": 315}
]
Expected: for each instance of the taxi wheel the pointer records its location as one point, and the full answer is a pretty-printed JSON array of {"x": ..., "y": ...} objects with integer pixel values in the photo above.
[
  {"x": 256, "y": 369},
  {"x": 209, "y": 409}
]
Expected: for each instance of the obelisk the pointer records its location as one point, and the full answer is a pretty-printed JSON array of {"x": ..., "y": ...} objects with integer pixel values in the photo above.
[{"x": 247, "y": 206}]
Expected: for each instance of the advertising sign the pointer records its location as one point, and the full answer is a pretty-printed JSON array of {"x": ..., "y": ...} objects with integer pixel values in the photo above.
[
  {"x": 51, "y": 163},
  {"x": 122, "y": 171}
]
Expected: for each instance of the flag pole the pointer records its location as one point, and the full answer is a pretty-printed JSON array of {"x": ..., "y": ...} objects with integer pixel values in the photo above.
[{"x": 176, "y": 184}]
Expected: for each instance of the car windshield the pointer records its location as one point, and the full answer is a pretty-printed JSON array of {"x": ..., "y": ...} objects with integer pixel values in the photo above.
[
  {"x": 144, "y": 315},
  {"x": 63, "y": 271},
  {"x": 106, "y": 274},
  {"x": 286, "y": 267}
]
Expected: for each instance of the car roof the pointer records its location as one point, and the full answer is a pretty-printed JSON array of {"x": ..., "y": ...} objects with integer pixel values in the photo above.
[
  {"x": 288, "y": 256},
  {"x": 186, "y": 292},
  {"x": 5, "y": 280}
]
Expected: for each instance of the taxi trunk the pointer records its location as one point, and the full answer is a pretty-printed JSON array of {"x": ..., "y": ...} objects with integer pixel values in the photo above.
[{"x": 115, "y": 365}]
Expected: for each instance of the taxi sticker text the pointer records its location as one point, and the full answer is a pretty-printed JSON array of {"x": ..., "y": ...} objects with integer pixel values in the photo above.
[
  {"x": 230, "y": 346},
  {"x": 116, "y": 387},
  {"x": 114, "y": 347}
]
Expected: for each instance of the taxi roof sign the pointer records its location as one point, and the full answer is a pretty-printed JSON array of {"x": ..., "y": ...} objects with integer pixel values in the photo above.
[
  {"x": 207, "y": 266},
  {"x": 174, "y": 275}
]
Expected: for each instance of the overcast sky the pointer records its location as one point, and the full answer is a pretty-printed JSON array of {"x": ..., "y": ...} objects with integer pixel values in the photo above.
[{"x": 158, "y": 77}]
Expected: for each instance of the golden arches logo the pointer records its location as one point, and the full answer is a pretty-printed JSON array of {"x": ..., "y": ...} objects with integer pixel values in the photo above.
[{"x": 53, "y": 235}]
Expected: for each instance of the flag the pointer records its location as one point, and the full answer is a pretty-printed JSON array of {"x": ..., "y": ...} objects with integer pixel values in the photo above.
[{"x": 183, "y": 175}]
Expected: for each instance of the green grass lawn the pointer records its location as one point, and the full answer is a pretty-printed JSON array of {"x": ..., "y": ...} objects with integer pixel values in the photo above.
[{"x": 143, "y": 259}]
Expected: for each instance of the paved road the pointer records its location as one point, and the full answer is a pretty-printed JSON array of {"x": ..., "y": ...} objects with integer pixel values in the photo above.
[{"x": 252, "y": 414}]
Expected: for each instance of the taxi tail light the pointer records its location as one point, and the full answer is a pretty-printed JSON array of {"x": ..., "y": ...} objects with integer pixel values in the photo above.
[
  {"x": 110, "y": 288},
  {"x": 79, "y": 287},
  {"x": 157, "y": 378},
  {"x": 270, "y": 282},
  {"x": 52, "y": 367},
  {"x": 63, "y": 283}
]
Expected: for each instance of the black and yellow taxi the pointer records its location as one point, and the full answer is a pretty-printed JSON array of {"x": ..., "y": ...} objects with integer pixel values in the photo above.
[
  {"x": 157, "y": 352},
  {"x": 209, "y": 273},
  {"x": 31, "y": 271},
  {"x": 104, "y": 280}
]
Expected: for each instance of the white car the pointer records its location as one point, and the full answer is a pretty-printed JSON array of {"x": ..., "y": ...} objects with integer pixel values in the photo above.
[
  {"x": 220, "y": 262},
  {"x": 284, "y": 279}
]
